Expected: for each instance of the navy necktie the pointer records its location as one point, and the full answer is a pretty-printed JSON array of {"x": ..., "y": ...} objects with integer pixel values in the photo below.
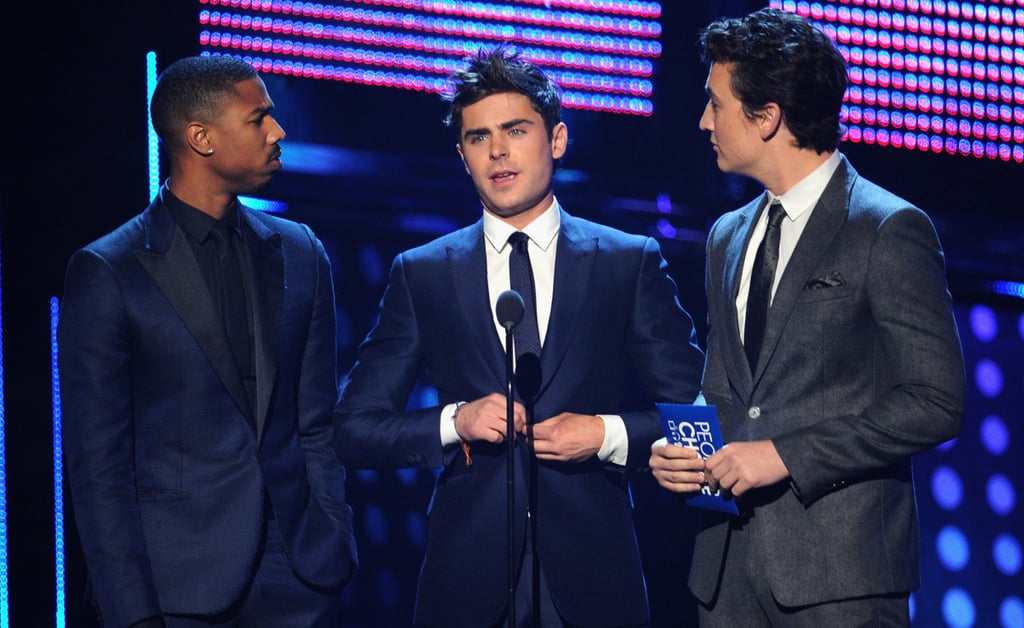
[
  {"x": 527, "y": 334},
  {"x": 762, "y": 277}
]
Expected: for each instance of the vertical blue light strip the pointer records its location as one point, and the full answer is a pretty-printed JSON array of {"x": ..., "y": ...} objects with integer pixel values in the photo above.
[
  {"x": 4, "y": 619},
  {"x": 58, "y": 467},
  {"x": 154, "y": 143}
]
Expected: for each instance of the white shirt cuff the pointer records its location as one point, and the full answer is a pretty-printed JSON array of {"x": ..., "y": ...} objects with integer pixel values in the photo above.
[
  {"x": 448, "y": 434},
  {"x": 615, "y": 448}
]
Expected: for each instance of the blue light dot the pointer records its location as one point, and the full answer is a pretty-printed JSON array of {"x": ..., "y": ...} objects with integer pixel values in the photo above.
[
  {"x": 1007, "y": 554},
  {"x": 947, "y": 489},
  {"x": 1001, "y": 495},
  {"x": 366, "y": 476},
  {"x": 995, "y": 435},
  {"x": 1011, "y": 612},
  {"x": 913, "y": 605},
  {"x": 954, "y": 551},
  {"x": 989, "y": 378},
  {"x": 407, "y": 477},
  {"x": 1020, "y": 326},
  {"x": 958, "y": 608},
  {"x": 984, "y": 323},
  {"x": 375, "y": 524},
  {"x": 387, "y": 588},
  {"x": 416, "y": 528}
]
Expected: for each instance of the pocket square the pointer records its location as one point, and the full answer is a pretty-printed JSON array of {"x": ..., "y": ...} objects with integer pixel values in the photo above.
[{"x": 831, "y": 280}]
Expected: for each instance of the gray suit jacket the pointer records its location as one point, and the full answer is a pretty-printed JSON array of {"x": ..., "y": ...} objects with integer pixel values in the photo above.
[{"x": 861, "y": 368}]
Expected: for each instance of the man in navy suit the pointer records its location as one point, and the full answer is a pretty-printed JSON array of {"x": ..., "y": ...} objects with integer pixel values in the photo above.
[
  {"x": 198, "y": 391},
  {"x": 833, "y": 355},
  {"x": 605, "y": 306}
]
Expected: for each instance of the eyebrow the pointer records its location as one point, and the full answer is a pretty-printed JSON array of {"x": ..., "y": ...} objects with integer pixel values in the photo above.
[{"x": 504, "y": 126}]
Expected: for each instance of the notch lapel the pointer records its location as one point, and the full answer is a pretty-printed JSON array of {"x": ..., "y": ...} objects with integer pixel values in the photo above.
[
  {"x": 468, "y": 262},
  {"x": 829, "y": 216},
  {"x": 733, "y": 268},
  {"x": 573, "y": 262}
]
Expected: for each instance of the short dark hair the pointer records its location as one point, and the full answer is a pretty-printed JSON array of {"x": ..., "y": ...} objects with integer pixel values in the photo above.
[
  {"x": 502, "y": 70},
  {"x": 779, "y": 57},
  {"x": 193, "y": 88}
]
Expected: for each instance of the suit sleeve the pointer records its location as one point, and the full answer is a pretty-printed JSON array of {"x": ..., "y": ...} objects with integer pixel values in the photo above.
[
  {"x": 911, "y": 309},
  {"x": 98, "y": 432},
  {"x": 318, "y": 393},
  {"x": 373, "y": 428},
  {"x": 663, "y": 347}
]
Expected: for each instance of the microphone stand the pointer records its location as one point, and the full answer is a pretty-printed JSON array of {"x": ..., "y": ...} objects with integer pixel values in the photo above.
[
  {"x": 509, "y": 311},
  {"x": 510, "y": 468}
]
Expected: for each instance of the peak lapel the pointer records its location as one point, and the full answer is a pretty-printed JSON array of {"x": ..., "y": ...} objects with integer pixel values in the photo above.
[
  {"x": 268, "y": 287},
  {"x": 170, "y": 262}
]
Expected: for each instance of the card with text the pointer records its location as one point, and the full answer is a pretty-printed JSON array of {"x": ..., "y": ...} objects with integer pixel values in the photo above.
[{"x": 697, "y": 427}]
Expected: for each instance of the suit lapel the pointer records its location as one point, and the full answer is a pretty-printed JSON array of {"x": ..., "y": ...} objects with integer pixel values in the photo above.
[
  {"x": 169, "y": 260},
  {"x": 738, "y": 243},
  {"x": 573, "y": 262},
  {"x": 468, "y": 261},
  {"x": 268, "y": 287},
  {"x": 829, "y": 216}
]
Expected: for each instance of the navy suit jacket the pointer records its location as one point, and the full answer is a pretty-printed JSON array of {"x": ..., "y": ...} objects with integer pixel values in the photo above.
[
  {"x": 166, "y": 469},
  {"x": 860, "y": 369},
  {"x": 614, "y": 306}
]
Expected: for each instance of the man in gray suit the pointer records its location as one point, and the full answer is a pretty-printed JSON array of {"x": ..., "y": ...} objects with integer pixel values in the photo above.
[{"x": 833, "y": 356}]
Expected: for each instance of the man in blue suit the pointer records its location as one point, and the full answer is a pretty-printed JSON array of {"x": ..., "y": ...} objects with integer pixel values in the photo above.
[
  {"x": 198, "y": 391},
  {"x": 833, "y": 355},
  {"x": 604, "y": 305}
]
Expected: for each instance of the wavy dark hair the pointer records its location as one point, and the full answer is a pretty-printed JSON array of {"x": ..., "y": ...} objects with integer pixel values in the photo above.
[
  {"x": 502, "y": 70},
  {"x": 194, "y": 88},
  {"x": 780, "y": 57}
]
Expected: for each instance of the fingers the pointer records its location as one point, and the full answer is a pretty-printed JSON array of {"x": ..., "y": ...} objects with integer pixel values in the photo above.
[{"x": 485, "y": 419}]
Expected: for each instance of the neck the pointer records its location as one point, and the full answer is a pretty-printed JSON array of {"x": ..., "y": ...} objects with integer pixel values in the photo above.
[
  {"x": 200, "y": 194},
  {"x": 793, "y": 167}
]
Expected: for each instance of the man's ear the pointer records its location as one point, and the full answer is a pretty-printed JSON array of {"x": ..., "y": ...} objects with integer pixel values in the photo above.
[
  {"x": 559, "y": 140},
  {"x": 769, "y": 120},
  {"x": 197, "y": 136},
  {"x": 458, "y": 148}
]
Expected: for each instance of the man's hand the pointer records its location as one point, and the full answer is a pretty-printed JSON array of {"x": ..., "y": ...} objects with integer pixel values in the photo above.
[
  {"x": 485, "y": 419},
  {"x": 739, "y": 467},
  {"x": 567, "y": 437},
  {"x": 679, "y": 469}
]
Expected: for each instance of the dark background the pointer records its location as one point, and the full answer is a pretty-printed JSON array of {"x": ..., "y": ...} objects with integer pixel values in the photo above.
[{"x": 74, "y": 167}]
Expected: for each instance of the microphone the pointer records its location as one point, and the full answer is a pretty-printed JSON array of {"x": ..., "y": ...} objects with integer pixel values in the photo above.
[{"x": 509, "y": 309}]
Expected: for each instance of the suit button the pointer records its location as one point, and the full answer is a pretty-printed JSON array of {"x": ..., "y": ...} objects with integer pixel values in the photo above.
[{"x": 754, "y": 412}]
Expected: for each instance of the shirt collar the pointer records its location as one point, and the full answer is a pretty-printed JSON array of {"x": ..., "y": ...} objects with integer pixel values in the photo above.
[
  {"x": 542, "y": 230},
  {"x": 804, "y": 195},
  {"x": 196, "y": 222}
]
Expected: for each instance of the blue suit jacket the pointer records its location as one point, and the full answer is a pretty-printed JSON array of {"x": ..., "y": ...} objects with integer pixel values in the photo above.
[
  {"x": 166, "y": 470},
  {"x": 614, "y": 306},
  {"x": 861, "y": 368}
]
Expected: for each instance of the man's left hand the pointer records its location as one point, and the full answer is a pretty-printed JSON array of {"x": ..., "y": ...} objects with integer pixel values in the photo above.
[
  {"x": 567, "y": 437},
  {"x": 739, "y": 467}
]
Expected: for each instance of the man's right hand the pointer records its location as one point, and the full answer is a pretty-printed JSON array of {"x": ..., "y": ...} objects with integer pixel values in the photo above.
[
  {"x": 485, "y": 419},
  {"x": 679, "y": 469}
]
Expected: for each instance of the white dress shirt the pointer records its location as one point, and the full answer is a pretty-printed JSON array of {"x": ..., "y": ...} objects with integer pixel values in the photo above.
[
  {"x": 543, "y": 234},
  {"x": 798, "y": 204}
]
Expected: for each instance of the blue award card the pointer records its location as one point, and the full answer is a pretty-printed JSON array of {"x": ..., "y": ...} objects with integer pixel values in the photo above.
[{"x": 697, "y": 427}]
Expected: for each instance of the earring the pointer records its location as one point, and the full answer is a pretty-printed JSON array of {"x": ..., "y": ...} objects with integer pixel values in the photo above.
[{"x": 210, "y": 152}]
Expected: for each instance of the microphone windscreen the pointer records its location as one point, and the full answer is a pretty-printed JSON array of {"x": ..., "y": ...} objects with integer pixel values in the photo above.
[{"x": 509, "y": 309}]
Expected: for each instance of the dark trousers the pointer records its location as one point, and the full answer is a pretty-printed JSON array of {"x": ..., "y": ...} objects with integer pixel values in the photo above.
[
  {"x": 276, "y": 597},
  {"x": 745, "y": 599}
]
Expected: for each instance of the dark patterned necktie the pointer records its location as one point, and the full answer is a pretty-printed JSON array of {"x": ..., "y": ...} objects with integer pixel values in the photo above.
[
  {"x": 762, "y": 277},
  {"x": 527, "y": 335},
  {"x": 230, "y": 296}
]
